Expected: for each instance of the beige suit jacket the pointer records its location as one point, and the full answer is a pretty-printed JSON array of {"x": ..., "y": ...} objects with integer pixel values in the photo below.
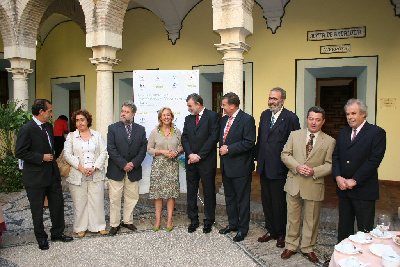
[{"x": 320, "y": 159}]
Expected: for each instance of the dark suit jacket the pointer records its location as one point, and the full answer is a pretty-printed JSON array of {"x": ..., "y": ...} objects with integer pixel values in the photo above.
[
  {"x": 270, "y": 143},
  {"x": 360, "y": 160},
  {"x": 202, "y": 139},
  {"x": 32, "y": 144},
  {"x": 240, "y": 141},
  {"x": 121, "y": 151}
]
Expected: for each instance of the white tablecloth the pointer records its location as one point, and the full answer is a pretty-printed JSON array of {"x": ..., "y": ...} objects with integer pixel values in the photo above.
[{"x": 366, "y": 256}]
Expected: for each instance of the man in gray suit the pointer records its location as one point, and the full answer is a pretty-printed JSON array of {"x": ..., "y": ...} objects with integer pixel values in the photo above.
[{"x": 126, "y": 146}]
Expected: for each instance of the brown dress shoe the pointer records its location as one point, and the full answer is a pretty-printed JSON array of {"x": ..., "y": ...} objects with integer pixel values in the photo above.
[
  {"x": 280, "y": 242},
  {"x": 311, "y": 257},
  {"x": 265, "y": 238},
  {"x": 287, "y": 253}
]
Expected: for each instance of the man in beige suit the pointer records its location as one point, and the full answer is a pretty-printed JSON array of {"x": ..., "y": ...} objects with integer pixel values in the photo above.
[{"x": 308, "y": 156}]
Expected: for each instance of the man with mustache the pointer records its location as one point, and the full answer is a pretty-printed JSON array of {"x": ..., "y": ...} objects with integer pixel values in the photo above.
[
  {"x": 276, "y": 123},
  {"x": 126, "y": 146}
]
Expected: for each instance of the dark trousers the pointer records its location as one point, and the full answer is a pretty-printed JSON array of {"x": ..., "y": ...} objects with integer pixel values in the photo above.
[
  {"x": 56, "y": 206},
  {"x": 349, "y": 210},
  {"x": 58, "y": 145},
  {"x": 207, "y": 175},
  {"x": 237, "y": 197},
  {"x": 273, "y": 199}
]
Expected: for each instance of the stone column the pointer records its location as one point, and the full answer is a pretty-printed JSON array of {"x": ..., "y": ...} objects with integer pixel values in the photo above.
[
  {"x": 104, "y": 57},
  {"x": 233, "y": 67},
  {"x": 20, "y": 68},
  {"x": 233, "y": 21}
]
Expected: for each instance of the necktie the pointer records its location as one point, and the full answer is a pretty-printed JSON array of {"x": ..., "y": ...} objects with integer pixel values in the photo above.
[
  {"x": 272, "y": 121},
  {"x": 197, "y": 119},
  {"x": 228, "y": 126},
  {"x": 43, "y": 127},
  {"x": 129, "y": 131},
  {"x": 309, "y": 145},
  {"x": 354, "y": 135}
]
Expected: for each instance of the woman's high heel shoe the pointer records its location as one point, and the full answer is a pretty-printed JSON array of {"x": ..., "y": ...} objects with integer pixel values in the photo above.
[
  {"x": 169, "y": 228},
  {"x": 156, "y": 228}
]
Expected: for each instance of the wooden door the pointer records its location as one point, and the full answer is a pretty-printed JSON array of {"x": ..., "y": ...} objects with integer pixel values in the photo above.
[
  {"x": 217, "y": 93},
  {"x": 332, "y": 95}
]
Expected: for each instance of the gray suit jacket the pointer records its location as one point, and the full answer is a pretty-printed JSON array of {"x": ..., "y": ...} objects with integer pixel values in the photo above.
[
  {"x": 320, "y": 159},
  {"x": 121, "y": 151}
]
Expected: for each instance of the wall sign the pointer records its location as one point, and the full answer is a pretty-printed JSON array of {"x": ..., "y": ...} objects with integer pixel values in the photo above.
[
  {"x": 388, "y": 103},
  {"x": 330, "y": 49},
  {"x": 355, "y": 32}
]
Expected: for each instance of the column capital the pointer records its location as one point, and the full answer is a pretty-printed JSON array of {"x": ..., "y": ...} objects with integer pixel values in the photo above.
[
  {"x": 238, "y": 46},
  {"x": 104, "y": 61},
  {"x": 19, "y": 73},
  {"x": 233, "y": 51},
  {"x": 20, "y": 68},
  {"x": 104, "y": 57}
]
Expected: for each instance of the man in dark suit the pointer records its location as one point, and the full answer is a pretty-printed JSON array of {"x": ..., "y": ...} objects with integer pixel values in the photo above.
[
  {"x": 40, "y": 174},
  {"x": 236, "y": 139},
  {"x": 126, "y": 146},
  {"x": 199, "y": 140},
  {"x": 276, "y": 124},
  {"x": 359, "y": 151}
]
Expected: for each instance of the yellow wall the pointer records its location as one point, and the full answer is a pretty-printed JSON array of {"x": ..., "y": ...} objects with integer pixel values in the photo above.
[
  {"x": 145, "y": 45},
  {"x": 64, "y": 54}
]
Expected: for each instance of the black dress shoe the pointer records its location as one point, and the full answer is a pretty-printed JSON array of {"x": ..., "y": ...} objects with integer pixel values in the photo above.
[
  {"x": 280, "y": 242},
  {"x": 130, "y": 226},
  {"x": 239, "y": 237},
  {"x": 207, "y": 228},
  {"x": 43, "y": 244},
  {"x": 192, "y": 227},
  {"x": 62, "y": 238},
  {"x": 227, "y": 230},
  {"x": 113, "y": 231}
]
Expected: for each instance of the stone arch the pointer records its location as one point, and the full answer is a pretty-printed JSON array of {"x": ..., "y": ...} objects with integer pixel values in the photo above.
[
  {"x": 88, "y": 7},
  {"x": 59, "y": 12},
  {"x": 107, "y": 23},
  {"x": 6, "y": 26},
  {"x": 28, "y": 24},
  {"x": 111, "y": 15}
]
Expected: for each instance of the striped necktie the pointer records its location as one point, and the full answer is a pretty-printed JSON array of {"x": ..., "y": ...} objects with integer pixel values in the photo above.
[{"x": 228, "y": 126}]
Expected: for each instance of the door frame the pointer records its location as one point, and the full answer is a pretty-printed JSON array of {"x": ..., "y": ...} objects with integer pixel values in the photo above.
[{"x": 365, "y": 68}]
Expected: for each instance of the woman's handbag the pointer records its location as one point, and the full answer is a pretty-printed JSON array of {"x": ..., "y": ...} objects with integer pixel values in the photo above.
[{"x": 63, "y": 165}]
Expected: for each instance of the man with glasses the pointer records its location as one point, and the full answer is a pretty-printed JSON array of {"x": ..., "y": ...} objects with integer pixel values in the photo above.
[{"x": 274, "y": 129}]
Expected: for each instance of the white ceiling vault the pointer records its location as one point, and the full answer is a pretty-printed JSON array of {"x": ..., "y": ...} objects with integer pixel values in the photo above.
[{"x": 171, "y": 12}]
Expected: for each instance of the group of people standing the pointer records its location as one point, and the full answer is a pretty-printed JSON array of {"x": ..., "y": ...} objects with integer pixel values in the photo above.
[{"x": 291, "y": 162}]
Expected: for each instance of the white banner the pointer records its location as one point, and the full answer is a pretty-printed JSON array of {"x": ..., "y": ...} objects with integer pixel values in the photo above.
[{"x": 154, "y": 89}]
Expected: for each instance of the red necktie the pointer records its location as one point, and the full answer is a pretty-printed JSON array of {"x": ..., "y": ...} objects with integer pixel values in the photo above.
[
  {"x": 197, "y": 119},
  {"x": 227, "y": 128}
]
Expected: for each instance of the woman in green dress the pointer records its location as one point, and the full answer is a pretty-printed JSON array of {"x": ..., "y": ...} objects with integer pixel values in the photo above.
[{"x": 165, "y": 146}]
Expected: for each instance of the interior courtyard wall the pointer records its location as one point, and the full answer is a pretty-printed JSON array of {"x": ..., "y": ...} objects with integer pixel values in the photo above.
[
  {"x": 145, "y": 46},
  {"x": 64, "y": 54},
  {"x": 274, "y": 55}
]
